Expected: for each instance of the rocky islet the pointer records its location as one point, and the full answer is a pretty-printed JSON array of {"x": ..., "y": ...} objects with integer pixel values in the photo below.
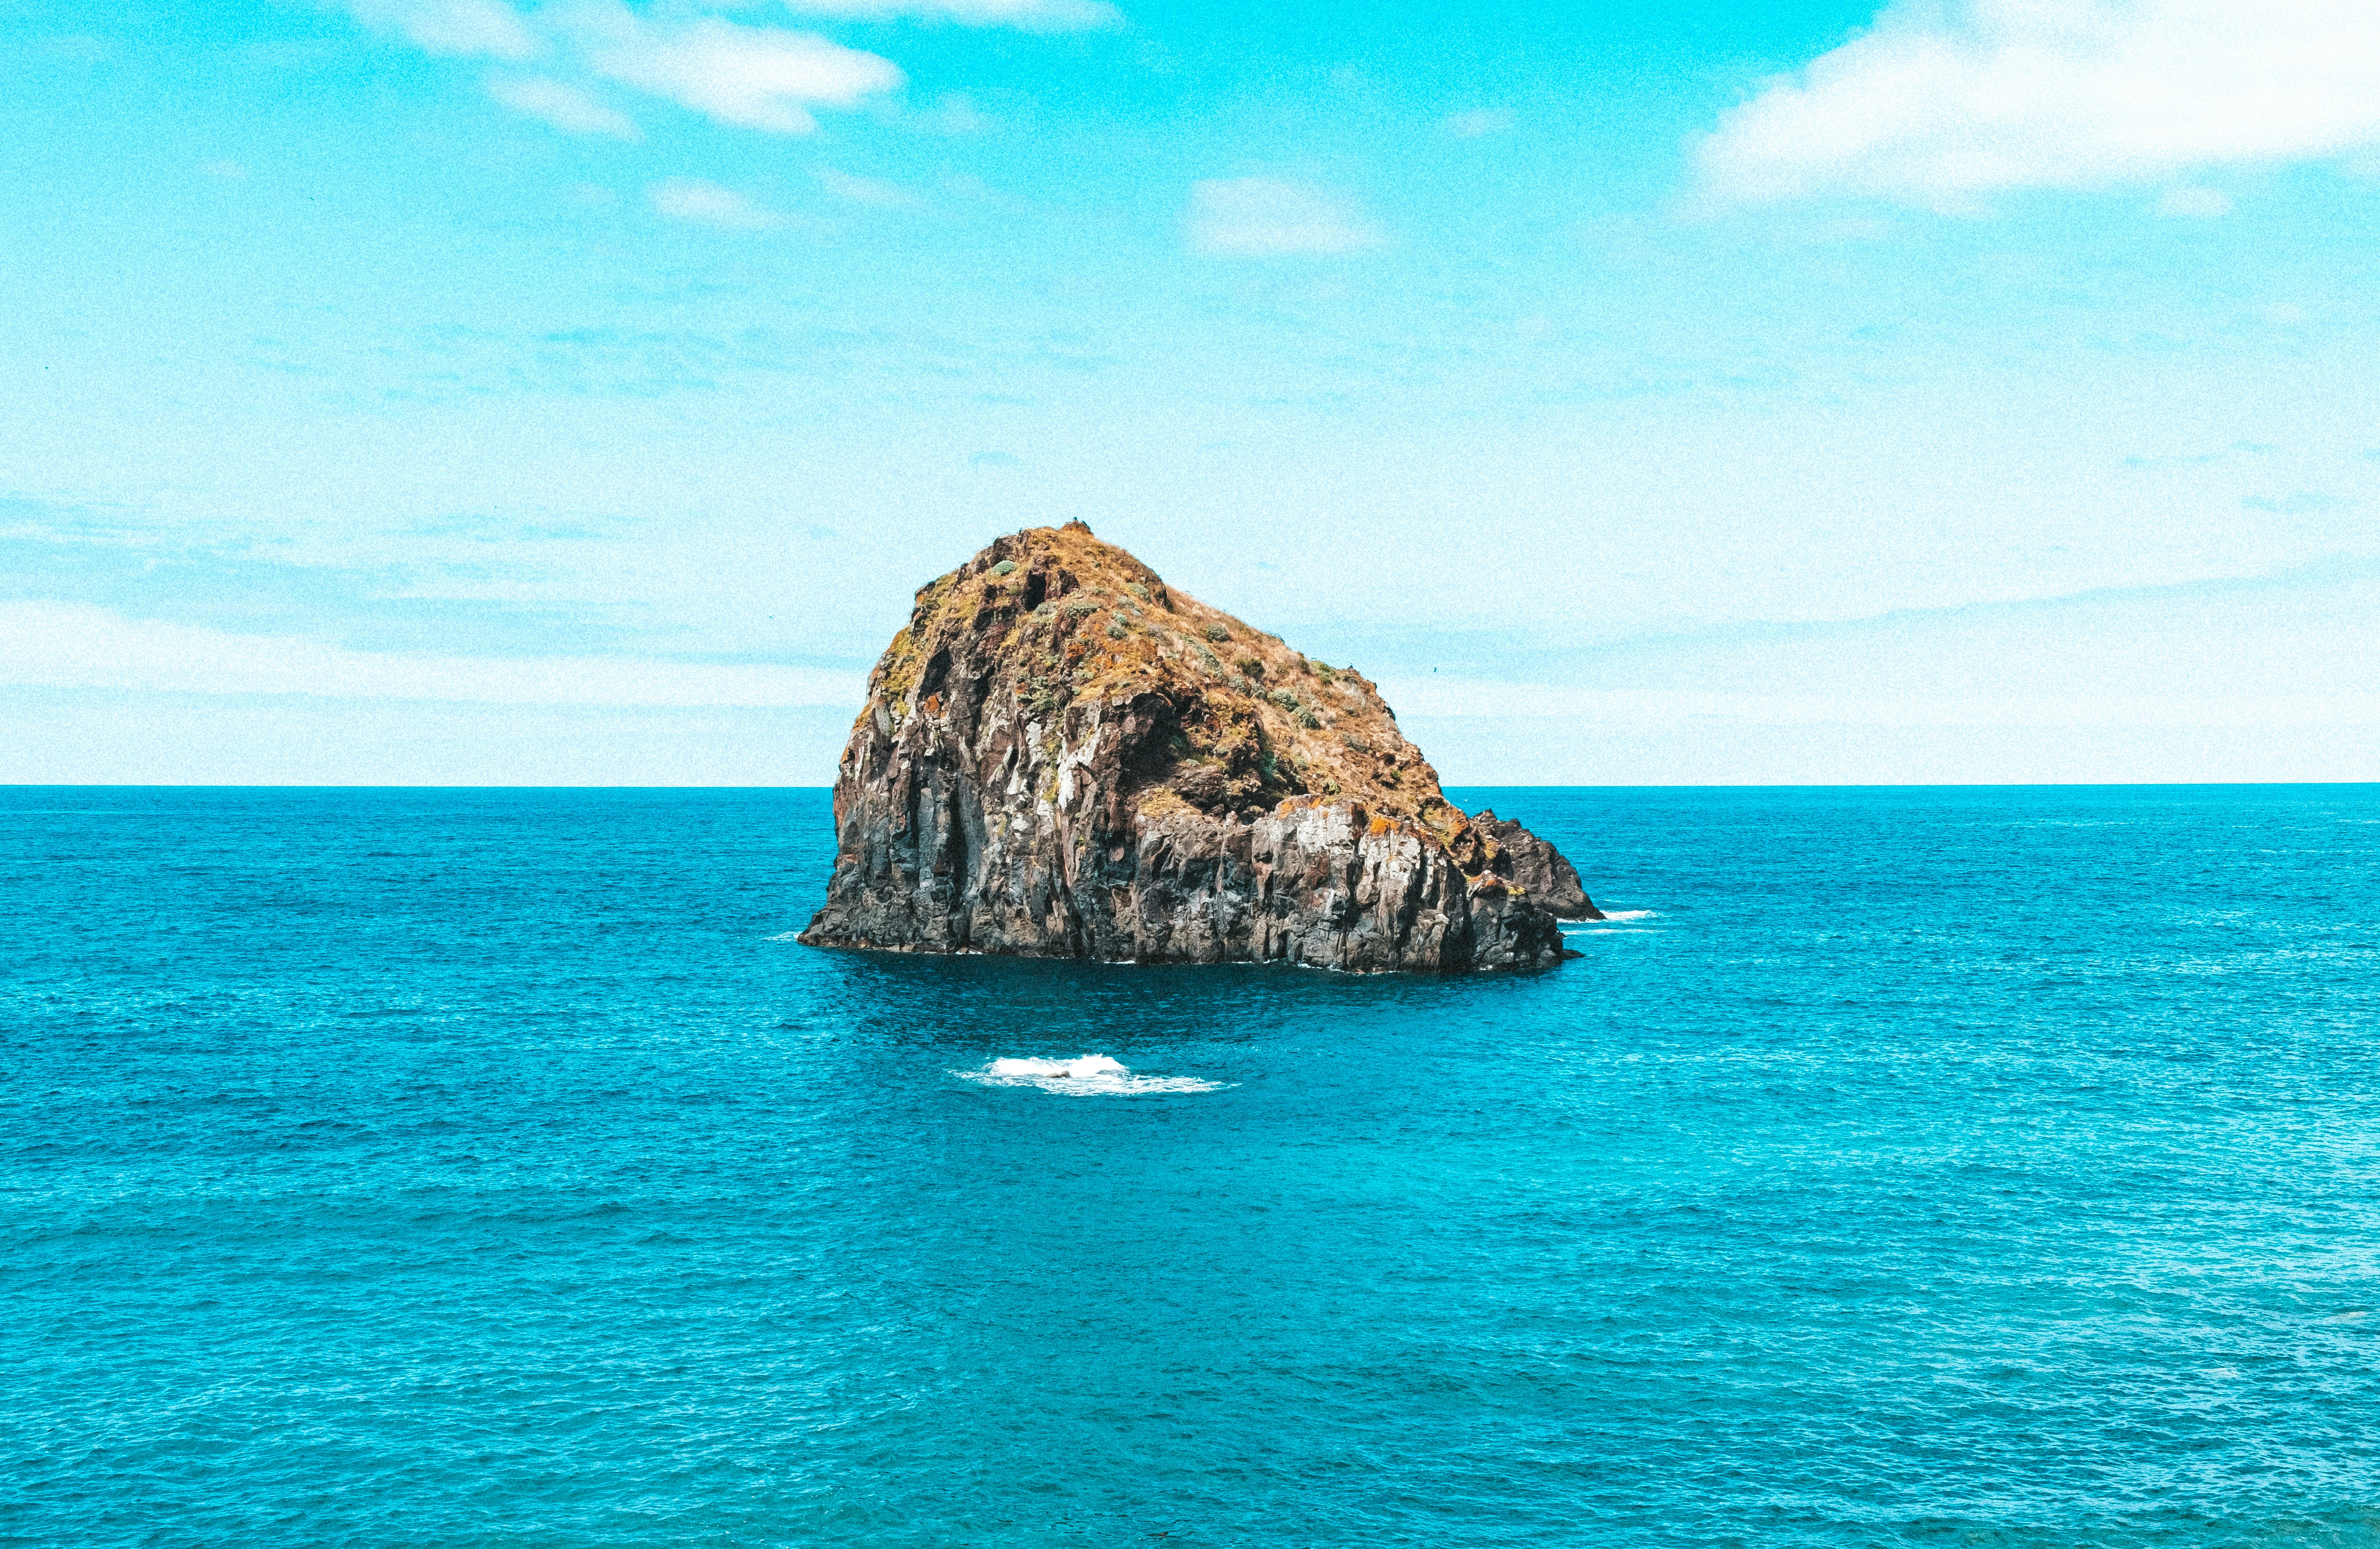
[{"x": 1061, "y": 756}]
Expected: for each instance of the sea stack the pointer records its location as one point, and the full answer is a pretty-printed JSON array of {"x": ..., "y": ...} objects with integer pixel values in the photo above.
[{"x": 1063, "y": 757}]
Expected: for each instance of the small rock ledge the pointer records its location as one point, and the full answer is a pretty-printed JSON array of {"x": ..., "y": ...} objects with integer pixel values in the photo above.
[{"x": 1062, "y": 757}]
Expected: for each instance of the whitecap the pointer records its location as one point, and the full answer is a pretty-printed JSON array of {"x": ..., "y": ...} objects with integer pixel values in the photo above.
[
  {"x": 1084, "y": 1076},
  {"x": 1604, "y": 927},
  {"x": 785, "y": 935}
]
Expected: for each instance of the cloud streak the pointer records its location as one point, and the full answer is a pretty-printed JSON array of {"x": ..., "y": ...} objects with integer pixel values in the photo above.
[
  {"x": 1943, "y": 104},
  {"x": 1028, "y": 15},
  {"x": 756, "y": 78},
  {"x": 703, "y": 204},
  {"x": 1440, "y": 698},
  {"x": 873, "y": 191},
  {"x": 468, "y": 28},
  {"x": 1270, "y": 217},
  {"x": 75, "y": 645},
  {"x": 565, "y": 107},
  {"x": 1478, "y": 121}
]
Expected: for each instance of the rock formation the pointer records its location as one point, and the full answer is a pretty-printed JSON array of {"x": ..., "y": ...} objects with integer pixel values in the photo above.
[{"x": 1063, "y": 757}]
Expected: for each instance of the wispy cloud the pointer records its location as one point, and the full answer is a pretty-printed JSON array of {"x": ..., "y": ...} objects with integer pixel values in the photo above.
[
  {"x": 563, "y": 107},
  {"x": 759, "y": 77},
  {"x": 1031, "y": 15},
  {"x": 75, "y": 645},
  {"x": 956, "y": 114},
  {"x": 873, "y": 191},
  {"x": 705, "y": 204},
  {"x": 1942, "y": 102},
  {"x": 1270, "y": 217},
  {"x": 1478, "y": 121},
  {"x": 2298, "y": 503},
  {"x": 472, "y": 28},
  {"x": 1440, "y": 698},
  {"x": 756, "y": 76}
]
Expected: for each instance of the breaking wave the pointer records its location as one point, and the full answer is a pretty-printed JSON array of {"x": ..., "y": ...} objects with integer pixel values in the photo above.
[
  {"x": 1084, "y": 1076},
  {"x": 1608, "y": 925}
]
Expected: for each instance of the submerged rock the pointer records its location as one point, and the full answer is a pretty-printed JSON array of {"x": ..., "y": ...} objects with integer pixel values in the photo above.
[{"x": 1063, "y": 757}]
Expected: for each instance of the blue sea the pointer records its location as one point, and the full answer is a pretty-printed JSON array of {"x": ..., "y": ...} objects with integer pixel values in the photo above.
[{"x": 1989, "y": 1166}]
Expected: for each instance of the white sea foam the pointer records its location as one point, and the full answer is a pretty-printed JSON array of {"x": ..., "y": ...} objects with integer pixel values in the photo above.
[
  {"x": 787, "y": 935},
  {"x": 1604, "y": 927},
  {"x": 1084, "y": 1076}
]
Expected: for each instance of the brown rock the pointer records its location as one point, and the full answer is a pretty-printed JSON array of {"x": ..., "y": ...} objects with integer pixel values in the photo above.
[
  {"x": 1536, "y": 867},
  {"x": 1054, "y": 761}
]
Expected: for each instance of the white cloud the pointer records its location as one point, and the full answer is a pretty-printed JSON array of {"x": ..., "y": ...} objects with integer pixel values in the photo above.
[
  {"x": 1269, "y": 218},
  {"x": 565, "y": 107},
  {"x": 756, "y": 76},
  {"x": 956, "y": 114},
  {"x": 1479, "y": 121},
  {"x": 1031, "y": 15},
  {"x": 2207, "y": 204},
  {"x": 73, "y": 645},
  {"x": 691, "y": 199},
  {"x": 866, "y": 190},
  {"x": 1942, "y": 102},
  {"x": 473, "y": 28}
]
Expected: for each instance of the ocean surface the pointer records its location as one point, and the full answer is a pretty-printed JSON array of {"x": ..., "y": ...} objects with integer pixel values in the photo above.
[{"x": 1932, "y": 1167}]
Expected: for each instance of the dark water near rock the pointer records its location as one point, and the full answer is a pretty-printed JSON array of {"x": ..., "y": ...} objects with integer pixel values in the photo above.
[{"x": 1922, "y": 1166}]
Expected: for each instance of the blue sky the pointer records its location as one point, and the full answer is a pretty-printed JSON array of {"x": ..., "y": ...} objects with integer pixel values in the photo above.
[{"x": 453, "y": 391}]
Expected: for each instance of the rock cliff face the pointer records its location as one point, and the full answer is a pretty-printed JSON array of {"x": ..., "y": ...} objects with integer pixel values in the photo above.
[{"x": 1063, "y": 757}]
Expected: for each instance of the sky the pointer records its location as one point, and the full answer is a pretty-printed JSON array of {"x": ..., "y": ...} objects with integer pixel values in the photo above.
[{"x": 461, "y": 392}]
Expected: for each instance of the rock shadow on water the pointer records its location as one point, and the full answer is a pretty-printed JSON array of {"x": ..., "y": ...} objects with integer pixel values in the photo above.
[
  {"x": 902, "y": 1026},
  {"x": 1185, "y": 999}
]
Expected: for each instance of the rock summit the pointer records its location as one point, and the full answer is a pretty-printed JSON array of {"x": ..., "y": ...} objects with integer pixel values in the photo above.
[{"x": 1063, "y": 757}]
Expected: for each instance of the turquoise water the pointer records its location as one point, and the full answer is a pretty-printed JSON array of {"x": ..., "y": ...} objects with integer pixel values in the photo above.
[{"x": 1994, "y": 1167}]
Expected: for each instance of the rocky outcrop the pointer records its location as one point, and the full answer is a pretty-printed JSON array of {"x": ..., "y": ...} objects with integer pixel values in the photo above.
[
  {"x": 1536, "y": 867},
  {"x": 1060, "y": 756}
]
